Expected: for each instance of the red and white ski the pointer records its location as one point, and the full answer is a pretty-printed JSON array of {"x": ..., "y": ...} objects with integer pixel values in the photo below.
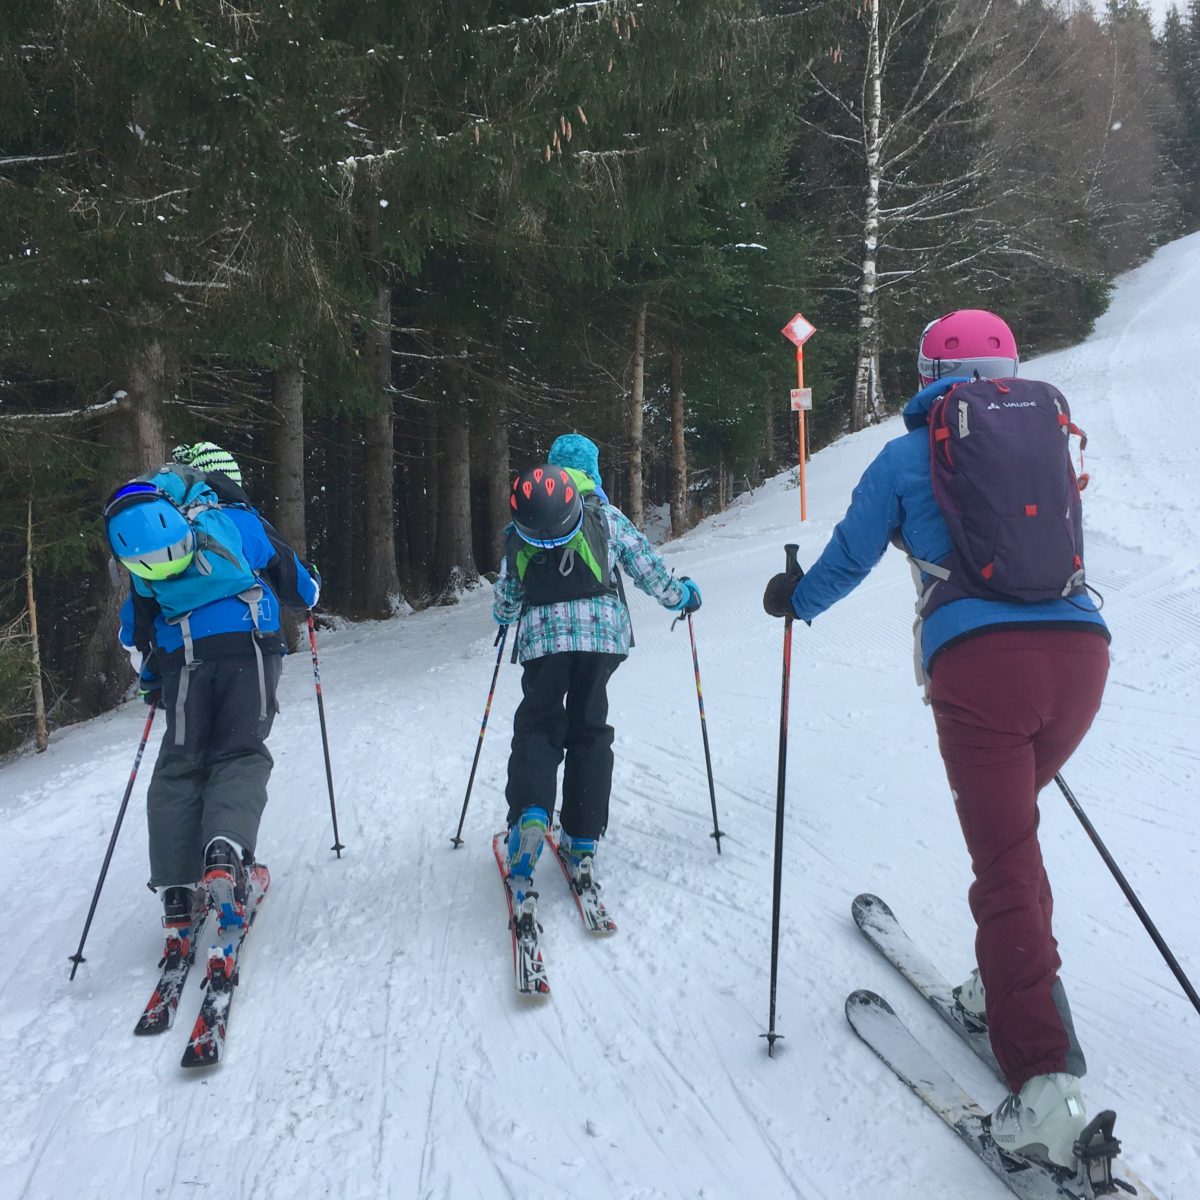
[{"x": 529, "y": 970}]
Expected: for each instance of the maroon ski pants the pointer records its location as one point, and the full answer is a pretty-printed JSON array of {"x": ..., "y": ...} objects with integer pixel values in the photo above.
[{"x": 1011, "y": 706}]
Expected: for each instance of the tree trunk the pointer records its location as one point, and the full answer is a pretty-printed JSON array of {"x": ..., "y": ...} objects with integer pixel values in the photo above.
[
  {"x": 867, "y": 406},
  {"x": 286, "y": 448},
  {"x": 491, "y": 485},
  {"x": 342, "y": 532},
  {"x": 499, "y": 487},
  {"x": 770, "y": 451},
  {"x": 679, "y": 471},
  {"x": 287, "y": 455},
  {"x": 454, "y": 559},
  {"x": 381, "y": 579},
  {"x": 434, "y": 448},
  {"x": 136, "y": 434},
  {"x": 39, "y": 699},
  {"x": 635, "y": 510},
  {"x": 417, "y": 480}
]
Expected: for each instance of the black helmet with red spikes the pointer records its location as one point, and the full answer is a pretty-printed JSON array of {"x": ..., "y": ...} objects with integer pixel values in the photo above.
[{"x": 546, "y": 507}]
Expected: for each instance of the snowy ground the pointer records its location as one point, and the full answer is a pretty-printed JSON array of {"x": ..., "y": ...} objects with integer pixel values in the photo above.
[{"x": 377, "y": 1048}]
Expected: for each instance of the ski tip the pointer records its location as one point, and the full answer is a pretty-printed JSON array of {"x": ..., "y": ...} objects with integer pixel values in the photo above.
[
  {"x": 865, "y": 904},
  {"x": 150, "y": 1025},
  {"x": 191, "y": 1062},
  {"x": 863, "y": 1000}
]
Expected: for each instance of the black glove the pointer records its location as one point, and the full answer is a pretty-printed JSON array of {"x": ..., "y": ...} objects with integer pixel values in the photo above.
[
  {"x": 149, "y": 686},
  {"x": 777, "y": 599}
]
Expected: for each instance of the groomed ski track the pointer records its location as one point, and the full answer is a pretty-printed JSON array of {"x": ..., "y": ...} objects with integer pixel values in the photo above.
[{"x": 377, "y": 1048}]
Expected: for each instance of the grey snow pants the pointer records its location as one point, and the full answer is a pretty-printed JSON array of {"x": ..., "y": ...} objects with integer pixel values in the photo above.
[{"x": 215, "y": 784}]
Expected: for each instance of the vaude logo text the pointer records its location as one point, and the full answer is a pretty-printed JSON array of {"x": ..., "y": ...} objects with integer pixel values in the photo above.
[{"x": 1012, "y": 404}]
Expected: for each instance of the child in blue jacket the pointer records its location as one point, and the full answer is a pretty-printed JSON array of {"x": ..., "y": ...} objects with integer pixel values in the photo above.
[{"x": 215, "y": 668}]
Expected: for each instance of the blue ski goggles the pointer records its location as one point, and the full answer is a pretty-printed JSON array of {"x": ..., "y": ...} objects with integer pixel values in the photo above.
[
  {"x": 549, "y": 543},
  {"x": 130, "y": 493}
]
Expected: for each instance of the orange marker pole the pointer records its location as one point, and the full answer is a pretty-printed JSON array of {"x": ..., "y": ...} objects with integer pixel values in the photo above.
[{"x": 802, "y": 435}]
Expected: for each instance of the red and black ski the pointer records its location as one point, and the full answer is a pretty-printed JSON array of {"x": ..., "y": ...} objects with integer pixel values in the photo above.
[
  {"x": 159, "y": 1014},
  {"x": 207, "y": 1041}
]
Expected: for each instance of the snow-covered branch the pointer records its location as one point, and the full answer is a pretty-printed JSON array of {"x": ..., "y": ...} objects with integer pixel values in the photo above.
[
  {"x": 20, "y": 159},
  {"x": 581, "y": 9},
  {"x": 75, "y": 414}
]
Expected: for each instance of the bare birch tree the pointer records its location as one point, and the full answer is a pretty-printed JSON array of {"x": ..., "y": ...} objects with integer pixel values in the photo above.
[{"x": 906, "y": 112}]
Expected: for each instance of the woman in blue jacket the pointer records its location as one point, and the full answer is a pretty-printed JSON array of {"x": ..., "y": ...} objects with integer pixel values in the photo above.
[{"x": 1014, "y": 687}]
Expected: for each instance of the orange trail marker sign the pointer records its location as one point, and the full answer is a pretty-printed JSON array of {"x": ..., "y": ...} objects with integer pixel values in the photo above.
[{"x": 797, "y": 331}]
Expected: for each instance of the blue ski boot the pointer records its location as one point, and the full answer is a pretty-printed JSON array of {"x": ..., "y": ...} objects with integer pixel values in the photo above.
[
  {"x": 579, "y": 855},
  {"x": 525, "y": 840}
]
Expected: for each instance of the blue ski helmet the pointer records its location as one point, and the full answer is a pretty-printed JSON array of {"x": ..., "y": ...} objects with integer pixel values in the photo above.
[{"x": 149, "y": 536}]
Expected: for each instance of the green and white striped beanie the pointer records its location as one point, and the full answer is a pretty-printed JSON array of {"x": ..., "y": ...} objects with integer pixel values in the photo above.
[{"x": 206, "y": 456}]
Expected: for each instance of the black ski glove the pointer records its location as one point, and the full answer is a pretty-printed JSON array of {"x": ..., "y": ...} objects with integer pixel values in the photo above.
[{"x": 777, "y": 599}]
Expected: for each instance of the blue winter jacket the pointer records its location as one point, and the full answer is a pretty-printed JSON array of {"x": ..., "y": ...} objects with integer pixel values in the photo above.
[
  {"x": 895, "y": 497},
  {"x": 223, "y": 627}
]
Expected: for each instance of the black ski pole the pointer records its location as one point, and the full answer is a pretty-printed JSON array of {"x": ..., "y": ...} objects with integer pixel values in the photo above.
[
  {"x": 77, "y": 957},
  {"x": 793, "y": 568},
  {"x": 487, "y": 712},
  {"x": 1130, "y": 895},
  {"x": 312, "y": 641},
  {"x": 712, "y": 791}
]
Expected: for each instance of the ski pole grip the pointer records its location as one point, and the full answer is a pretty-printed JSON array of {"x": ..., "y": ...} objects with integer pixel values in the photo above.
[{"x": 793, "y": 566}]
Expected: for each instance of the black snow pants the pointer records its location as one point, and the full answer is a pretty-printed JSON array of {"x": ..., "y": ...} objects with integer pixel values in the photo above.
[
  {"x": 215, "y": 784},
  {"x": 564, "y": 710}
]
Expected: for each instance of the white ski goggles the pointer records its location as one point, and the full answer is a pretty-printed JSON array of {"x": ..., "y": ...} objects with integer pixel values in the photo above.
[{"x": 985, "y": 368}]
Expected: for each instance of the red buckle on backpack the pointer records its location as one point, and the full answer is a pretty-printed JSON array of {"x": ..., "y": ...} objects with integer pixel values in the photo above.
[
  {"x": 1031, "y": 510},
  {"x": 988, "y": 571}
]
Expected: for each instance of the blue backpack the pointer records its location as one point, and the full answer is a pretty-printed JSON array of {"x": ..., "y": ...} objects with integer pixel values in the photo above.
[
  {"x": 219, "y": 568},
  {"x": 1000, "y": 461}
]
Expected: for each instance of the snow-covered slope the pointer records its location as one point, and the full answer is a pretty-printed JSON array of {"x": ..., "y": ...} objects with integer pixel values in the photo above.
[{"x": 377, "y": 1048}]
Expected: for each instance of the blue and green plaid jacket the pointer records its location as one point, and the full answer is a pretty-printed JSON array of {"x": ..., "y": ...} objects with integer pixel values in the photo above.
[{"x": 599, "y": 624}]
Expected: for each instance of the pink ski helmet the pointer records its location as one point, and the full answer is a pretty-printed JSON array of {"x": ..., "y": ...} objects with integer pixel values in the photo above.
[{"x": 967, "y": 342}]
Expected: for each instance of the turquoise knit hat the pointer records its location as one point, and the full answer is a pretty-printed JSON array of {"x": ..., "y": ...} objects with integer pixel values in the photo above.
[{"x": 577, "y": 452}]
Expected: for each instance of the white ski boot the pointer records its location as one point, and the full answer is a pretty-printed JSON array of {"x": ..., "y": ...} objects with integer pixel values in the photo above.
[{"x": 1042, "y": 1121}]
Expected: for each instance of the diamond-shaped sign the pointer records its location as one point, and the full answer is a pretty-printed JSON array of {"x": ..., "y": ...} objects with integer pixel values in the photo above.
[{"x": 798, "y": 330}]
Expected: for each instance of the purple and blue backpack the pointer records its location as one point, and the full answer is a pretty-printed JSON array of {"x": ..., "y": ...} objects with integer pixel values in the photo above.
[{"x": 1000, "y": 462}]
